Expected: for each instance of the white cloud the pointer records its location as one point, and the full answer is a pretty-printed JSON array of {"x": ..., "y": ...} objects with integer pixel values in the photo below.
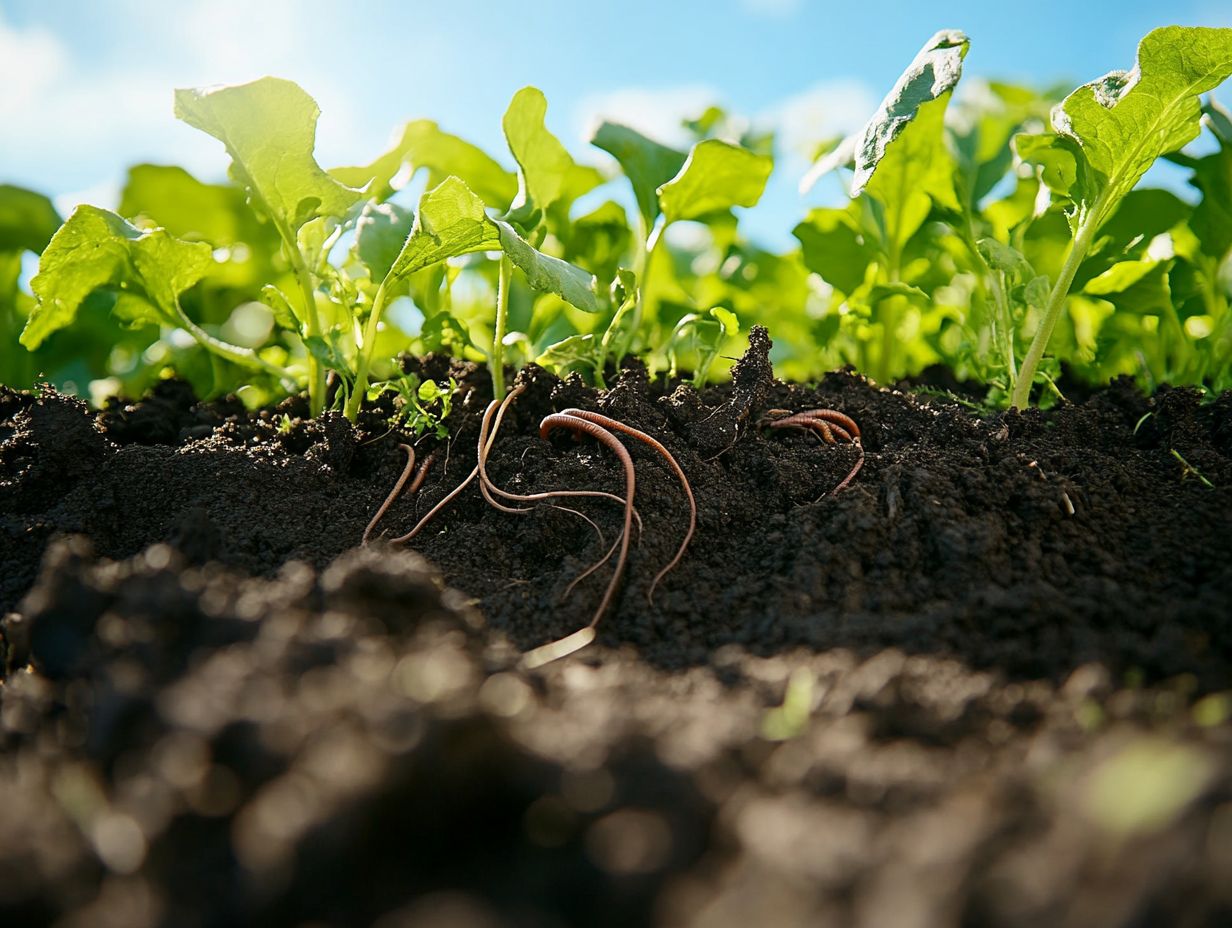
[
  {"x": 30, "y": 61},
  {"x": 656, "y": 113},
  {"x": 829, "y": 108},
  {"x": 66, "y": 120}
]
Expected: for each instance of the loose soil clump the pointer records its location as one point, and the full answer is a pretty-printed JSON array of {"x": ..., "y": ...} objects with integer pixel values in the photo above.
[{"x": 982, "y": 684}]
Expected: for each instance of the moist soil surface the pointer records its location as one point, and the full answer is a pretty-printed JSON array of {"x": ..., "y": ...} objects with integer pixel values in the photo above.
[{"x": 986, "y": 683}]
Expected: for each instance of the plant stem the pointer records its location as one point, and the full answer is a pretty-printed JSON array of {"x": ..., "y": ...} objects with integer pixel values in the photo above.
[
  {"x": 644, "y": 262},
  {"x": 312, "y": 320},
  {"x": 496, "y": 361},
  {"x": 245, "y": 356},
  {"x": 365, "y": 354},
  {"x": 887, "y": 309},
  {"x": 1056, "y": 303}
]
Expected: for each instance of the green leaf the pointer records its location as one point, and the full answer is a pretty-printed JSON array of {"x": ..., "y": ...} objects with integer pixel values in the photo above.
[
  {"x": 328, "y": 352},
  {"x": 27, "y": 219},
  {"x": 174, "y": 200},
  {"x": 452, "y": 221},
  {"x": 424, "y": 146},
  {"x": 1056, "y": 158},
  {"x": 571, "y": 351},
  {"x": 284, "y": 313},
  {"x": 727, "y": 319},
  {"x": 380, "y": 232},
  {"x": 921, "y": 94},
  {"x": 1125, "y": 120},
  {"x": 1134, "y": 286},
  {"x": 1212, "y": 217},
  {"x": 646, "y": 163},
  {"x": 547, "y": 274},
  {"x": 884, "y": 291},
  {"x": 834, "y": 247},
  {"x": 547, "y": 172},
  {"x": 95, "y": 248},
  {"x": 269, "y": 128},
  {"x": 716, "y": 176}
]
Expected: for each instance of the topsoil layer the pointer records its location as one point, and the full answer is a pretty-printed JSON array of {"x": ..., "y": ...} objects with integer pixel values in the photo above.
[{"x": 982, "y": 685}]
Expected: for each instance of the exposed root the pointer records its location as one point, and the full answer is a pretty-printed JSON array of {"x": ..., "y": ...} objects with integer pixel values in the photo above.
[
  {"x": 829, "y": 425},
  {"x": 641, "y": 436},
  {"x": 394, "y": 493},
  {"x": 580, "y": 422}
]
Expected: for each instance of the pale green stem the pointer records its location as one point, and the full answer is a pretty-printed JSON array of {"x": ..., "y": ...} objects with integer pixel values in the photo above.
[
  {"x": 496, "y": 361},
  {"x": 365, "y": 354},
  {"x": 1056, "y": 304},
  {"x": 312, "y": 320},
  {"x": 644, "y": 262},
  {"x": 888, "y": 311},
  {"x": 246, "y": 357}
]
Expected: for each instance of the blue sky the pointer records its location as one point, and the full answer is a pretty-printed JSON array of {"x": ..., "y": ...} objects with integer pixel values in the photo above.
[{"x": 87, "y": 86}]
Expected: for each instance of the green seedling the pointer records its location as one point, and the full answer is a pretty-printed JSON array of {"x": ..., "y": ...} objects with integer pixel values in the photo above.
[{"x": 998, "y": 233}]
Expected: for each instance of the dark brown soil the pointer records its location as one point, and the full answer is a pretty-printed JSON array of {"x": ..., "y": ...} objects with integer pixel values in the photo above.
[{"x": 983, "y": 685}]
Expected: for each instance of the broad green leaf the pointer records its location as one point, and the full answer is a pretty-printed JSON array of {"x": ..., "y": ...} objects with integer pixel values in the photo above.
[
  {"x": 96, "y": 248},
  {"x": 1212, "y": 217},
  {"x": 1005, "y": 258},
  {"x": 716, "y": 176},
  {"x": 450, "y": 221},
  {"x": 833, "y": 246},
  {"x": 1056, "y": 158},
  {"x": 380, "y": 232},
  {"x": 424, "y": 146},
  {"x": 576, "y": 349},
  {"x": 1134, "y": 286},
  {"x": 172, "y": 199},
  {"x": 547, "y": 172},
  {"x": 28, "y": 220},
  {"x": 1140, "y": 216},
  {"x": 547, "y": 274},
  {"x": 269, "y": 128},
  {"x": 921, "y": 92},
  {"x": 1125, "y": 120},
  {"x": 646, "y": 163}
]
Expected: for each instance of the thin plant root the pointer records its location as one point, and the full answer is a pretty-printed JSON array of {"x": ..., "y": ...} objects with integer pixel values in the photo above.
[
  {"x": 554, "y": 650},
  {"x": 641, "y": 436},
  {"x": 397, "y": 490},
  {"x": 490, "y": 487},
  {"x": 829, "y": 425},
  {"x": 485, "y": 444},
  {"x": 562, "y": 647}
]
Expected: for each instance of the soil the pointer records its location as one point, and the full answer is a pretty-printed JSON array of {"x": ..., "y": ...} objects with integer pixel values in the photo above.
[{"x": 986, "y": 684}]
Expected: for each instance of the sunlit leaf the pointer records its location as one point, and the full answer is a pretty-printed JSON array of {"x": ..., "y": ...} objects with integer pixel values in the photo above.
[
  {"x": 28, "y": 220},
  {"x": 716, "y": 176},
  {"x": 424, "y": 146},
  {"x": 96, "y": 248},
  {"x": 646, "y": 163},
  {"x": 269, "y": 128}
]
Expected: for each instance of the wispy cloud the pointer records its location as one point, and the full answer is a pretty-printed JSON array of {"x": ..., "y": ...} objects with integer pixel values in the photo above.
[
  {"x": 824, "y": 110},
  {"x": 656, "y": 113},
  {"x": 65, "y": 117}
]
